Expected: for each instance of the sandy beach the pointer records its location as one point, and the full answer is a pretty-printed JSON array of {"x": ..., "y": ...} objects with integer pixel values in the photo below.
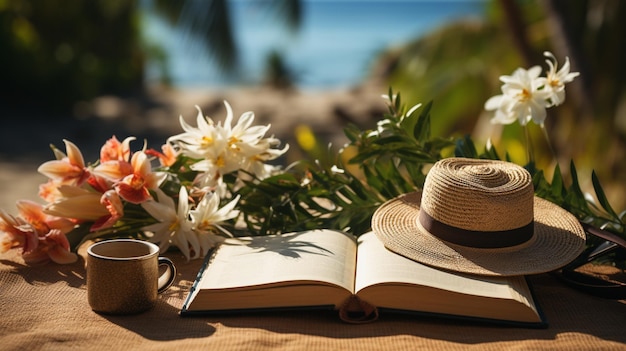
[{"x": 26, "y": 136}]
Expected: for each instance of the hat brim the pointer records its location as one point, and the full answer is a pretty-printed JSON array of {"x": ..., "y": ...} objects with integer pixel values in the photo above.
[{"x": 558, "y": 238}]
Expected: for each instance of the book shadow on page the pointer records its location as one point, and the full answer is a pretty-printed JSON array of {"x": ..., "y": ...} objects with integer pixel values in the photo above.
[{"x": 288, "y": 246}]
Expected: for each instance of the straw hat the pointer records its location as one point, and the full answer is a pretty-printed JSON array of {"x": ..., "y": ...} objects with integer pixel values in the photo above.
[{"x": 480, "y": 217}]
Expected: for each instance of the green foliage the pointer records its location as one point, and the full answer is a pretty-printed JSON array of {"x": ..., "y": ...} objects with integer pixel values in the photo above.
[
  {"x": 57, "y": 52},
  {"x": 458, "y": 66},
  {"x": 572, "y": 198},
  {"x": 388, "y": 161}
]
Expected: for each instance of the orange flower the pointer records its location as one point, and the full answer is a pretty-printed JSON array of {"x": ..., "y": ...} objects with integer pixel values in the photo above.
[
  {"x": 14, "y": 233},
  {"x": 167, "y": 157},
  {"x": 34, "y": 214},
  {"x": 52, "y": 246},
  {"x": 112, "y": 202},
  {"x": 113, "y": 170},
  {"x": 49, "y": 191},
  {"x": 114, "y": 150},
  {"x": 133, "y": 180},
  {"x": 77, "y": 203},
  {"x": 67, "y": 169},
  {"x": 41, "y": 236},
  {"x": 134, "y": 188}
]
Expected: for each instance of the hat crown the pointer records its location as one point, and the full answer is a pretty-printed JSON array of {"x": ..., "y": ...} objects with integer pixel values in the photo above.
[
  {"x": 480, "y": 217},
  {"x": 479, "y": 195}
]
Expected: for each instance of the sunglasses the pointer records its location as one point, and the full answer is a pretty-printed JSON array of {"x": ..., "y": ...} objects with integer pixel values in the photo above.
[{"x": 610, "y": 247}]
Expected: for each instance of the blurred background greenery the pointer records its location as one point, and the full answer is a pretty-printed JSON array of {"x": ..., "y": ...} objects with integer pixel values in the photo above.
[
  {"x": 57, "y": 54},
  {"x": 458, "y": 67}
]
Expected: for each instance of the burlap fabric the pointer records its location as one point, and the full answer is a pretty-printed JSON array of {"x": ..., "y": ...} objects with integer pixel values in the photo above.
[{"x": 45, "y": 308}]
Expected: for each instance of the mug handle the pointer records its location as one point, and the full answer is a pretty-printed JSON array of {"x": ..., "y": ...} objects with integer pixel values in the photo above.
[{"x": 167, "y": 278}]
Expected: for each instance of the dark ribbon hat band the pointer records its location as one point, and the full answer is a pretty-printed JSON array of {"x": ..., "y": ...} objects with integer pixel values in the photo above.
[{"x": 477, "y": 239}]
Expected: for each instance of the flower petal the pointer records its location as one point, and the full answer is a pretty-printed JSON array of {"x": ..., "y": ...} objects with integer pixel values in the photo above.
[
  {"x": 59, "y": 169},
  {"x": 73, "y": 154},
  {"x": 131, "y": 193},
  {"x": 59, "y": 248},
  {"x": 113, "y": 170}
]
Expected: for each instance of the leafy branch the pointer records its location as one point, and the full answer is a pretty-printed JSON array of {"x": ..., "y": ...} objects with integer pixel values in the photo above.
[{"x": 388, "y": 161}]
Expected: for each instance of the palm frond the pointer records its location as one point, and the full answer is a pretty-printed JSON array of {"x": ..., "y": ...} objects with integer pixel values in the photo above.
[{"x": 210, "y": 23}]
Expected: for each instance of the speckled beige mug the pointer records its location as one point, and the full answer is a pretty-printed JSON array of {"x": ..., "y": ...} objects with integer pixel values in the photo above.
[{"x": 123, "y": 276}]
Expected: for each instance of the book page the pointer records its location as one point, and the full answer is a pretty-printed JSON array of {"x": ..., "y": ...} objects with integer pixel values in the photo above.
[
  {"x": 376, "y": 265},
  {"x": 316, "y": 255},
  {"x": 388, "y": 280}
]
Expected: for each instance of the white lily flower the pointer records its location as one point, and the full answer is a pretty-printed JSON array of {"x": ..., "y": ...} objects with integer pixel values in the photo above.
[
  {"x": 174, "y": 226},
  {"x": 248, "y": 144},
  {"x": 244, "y": 138},
  {"x": 223, "y": 149},
  {"x": 207, "y": 217},
  {"x": 521, "y": 98},
  {"x": 555, "y": 80},
  {"x": 199, "y": 141}
]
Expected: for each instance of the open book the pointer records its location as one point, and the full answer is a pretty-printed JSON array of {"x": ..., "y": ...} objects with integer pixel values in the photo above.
[{"x": 358, "y": 277}]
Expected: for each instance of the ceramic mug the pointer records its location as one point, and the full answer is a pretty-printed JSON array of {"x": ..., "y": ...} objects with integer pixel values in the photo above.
[{"x": 123, "y": 276}]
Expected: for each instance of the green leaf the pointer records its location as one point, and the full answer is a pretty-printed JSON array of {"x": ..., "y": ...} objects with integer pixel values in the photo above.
[
  {"x": 408, "y": 123},
  {"x": 422, "y": 128},
  {"x": 542, "y": 187},
  {"x": 435, "y": 145},
  {"x": 575, "y": 187},
  {"x": 574, "y": 199},
  {"x": 491, "y": 153},
  {"x": 465, "y": 148},
  {"x": 393, "y": 142},
  {"x": 352, "y": 133},
  {"x": 373, "y": 179},
  {"x": 602, "y": 199},
  {"x": 363, "y": 156},
  {"x": 557, "y": 184}
]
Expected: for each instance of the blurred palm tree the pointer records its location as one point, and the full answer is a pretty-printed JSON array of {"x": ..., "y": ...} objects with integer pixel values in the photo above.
[
  {"x": 56, "y": 53},
  {"x": 209, "y": 22}
]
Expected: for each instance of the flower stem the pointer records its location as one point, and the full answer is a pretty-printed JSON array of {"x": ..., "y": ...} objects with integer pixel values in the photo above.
[
  {"x": 547, "y": 137},
  {"x": 530, "y": 153}
]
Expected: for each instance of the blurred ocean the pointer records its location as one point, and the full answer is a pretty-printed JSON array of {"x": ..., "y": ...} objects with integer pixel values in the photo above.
[{"x": 333, "y": 48}]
